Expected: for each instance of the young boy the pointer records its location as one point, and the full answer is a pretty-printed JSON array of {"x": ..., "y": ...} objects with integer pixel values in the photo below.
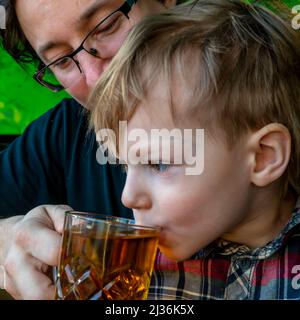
[{"x": 232, "y": 69}]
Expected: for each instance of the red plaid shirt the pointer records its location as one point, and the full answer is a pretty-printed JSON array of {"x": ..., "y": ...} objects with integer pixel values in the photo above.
[{"x": 226, "y": 270}]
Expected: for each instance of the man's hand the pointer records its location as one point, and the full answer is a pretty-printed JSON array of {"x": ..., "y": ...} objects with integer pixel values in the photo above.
[{"x": 32, "y": 246}]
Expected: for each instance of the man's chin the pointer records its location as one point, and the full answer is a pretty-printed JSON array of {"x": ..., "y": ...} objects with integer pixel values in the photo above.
[
  {"x": 83, "y": 103},
  {"x": 82, "y": 100}
]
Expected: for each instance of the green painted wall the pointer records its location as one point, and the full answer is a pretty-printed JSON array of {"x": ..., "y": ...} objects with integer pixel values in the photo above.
[{"x": 23, "y": 100}]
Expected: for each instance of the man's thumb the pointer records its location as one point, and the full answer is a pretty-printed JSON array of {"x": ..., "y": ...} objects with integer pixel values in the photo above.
[{"x": 57, "y": 215}]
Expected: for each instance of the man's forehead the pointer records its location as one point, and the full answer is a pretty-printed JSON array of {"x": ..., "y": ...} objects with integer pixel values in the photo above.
[
  {"x": 89, "y": 8},
  {"x": 46, "y": 5},
  {"x": 78, "y": 10},
  {"x": 45, "y": 21}
]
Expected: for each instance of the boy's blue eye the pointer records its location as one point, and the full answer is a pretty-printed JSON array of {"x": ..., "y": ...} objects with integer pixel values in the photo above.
[{"x": 160, "y": 167}]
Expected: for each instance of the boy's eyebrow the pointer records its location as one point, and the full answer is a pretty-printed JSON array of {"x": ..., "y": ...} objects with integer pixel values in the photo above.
[{"x": 86, "y": 15}]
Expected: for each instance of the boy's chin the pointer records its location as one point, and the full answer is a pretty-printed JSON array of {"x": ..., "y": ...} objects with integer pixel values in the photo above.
[{"x": 176, "y": 255}]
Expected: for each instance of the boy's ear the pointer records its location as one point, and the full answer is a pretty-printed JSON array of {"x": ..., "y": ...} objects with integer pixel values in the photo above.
[
  {"x": 169, "y": 3},
  {"x": 271, "y": 148}
]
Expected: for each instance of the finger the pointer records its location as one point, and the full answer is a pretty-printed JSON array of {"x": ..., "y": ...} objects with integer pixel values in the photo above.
[
  {"x": 9, "y": 286},
  {"x": 40, "y": 242},
  {"x": 57, "y": 215},
  {"x": 51, "y": 215},
  {"x": 36, "y": 235},
  {"x": 29, "y": 281},
  {"x": 2, "y": 277},
  {"x": 35, "y": 285}
]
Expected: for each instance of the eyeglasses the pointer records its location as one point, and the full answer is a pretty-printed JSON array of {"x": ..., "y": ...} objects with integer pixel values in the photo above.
[{"x": 66, "y": 71}]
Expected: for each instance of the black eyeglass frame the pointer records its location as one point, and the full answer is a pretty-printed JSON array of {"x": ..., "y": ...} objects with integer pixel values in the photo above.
[{"x": 125, "y": 9}]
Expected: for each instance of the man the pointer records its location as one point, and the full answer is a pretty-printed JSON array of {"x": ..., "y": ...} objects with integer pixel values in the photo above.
[{"x": 54, "y": 162}]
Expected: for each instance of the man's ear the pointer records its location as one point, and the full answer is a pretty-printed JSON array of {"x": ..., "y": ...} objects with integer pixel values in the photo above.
[
  {"x": 168, "y": 3},
  {"x": 271, "y": 150}
]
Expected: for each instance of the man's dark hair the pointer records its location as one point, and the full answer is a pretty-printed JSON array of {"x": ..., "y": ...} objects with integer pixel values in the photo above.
[{"x": 14, "y": 40}]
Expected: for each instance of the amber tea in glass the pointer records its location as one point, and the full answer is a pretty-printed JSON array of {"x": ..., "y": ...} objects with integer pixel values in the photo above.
[{"x": 105, "y": 258}]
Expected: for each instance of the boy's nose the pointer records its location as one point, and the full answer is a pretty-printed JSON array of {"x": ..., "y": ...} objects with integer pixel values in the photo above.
[{"x": 136, "y": 194}]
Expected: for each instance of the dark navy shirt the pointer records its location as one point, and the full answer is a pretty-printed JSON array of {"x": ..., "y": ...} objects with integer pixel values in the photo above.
[{"x": 54, "y": 162}]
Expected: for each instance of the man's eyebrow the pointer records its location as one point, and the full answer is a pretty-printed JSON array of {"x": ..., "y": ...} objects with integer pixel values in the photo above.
[
  {"x": 91, "y": 10},
  {"x": 45, "y": 47}
]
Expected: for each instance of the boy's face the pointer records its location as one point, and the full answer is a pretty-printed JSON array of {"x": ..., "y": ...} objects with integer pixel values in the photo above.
[
  {"x": 192, "y": 210},
  {"x": 57, "y": 22}
]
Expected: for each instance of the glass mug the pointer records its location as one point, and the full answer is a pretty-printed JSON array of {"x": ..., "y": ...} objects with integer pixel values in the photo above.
[{"x": 105, "y": 258}]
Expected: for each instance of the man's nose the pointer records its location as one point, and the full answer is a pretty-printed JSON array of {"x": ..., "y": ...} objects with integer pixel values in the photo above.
[
  {"x": 136, "y": 195},
  {"x": 92, "y": 67}
]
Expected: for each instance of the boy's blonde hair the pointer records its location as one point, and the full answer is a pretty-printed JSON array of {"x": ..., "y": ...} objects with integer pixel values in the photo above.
[{"x": 247, "y": 62}]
